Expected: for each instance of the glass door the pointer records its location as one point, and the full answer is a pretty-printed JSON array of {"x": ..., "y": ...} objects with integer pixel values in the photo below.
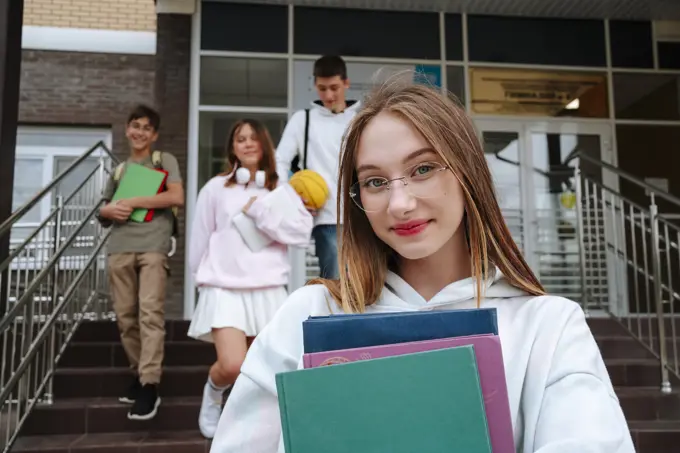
[
  {"x": 553, "y": 151},
  {"x": 503, "y": 148},
  {"x": 532, "y": 164}
]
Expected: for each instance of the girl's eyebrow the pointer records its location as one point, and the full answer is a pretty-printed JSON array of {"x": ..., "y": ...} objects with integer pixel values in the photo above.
[{"x": 411, "y": 156}]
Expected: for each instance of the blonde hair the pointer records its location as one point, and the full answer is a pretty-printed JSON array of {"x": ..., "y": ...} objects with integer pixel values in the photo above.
[{"x": 450, "y": 131}]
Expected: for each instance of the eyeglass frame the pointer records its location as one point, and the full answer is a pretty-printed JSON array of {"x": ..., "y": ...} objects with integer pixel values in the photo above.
[{"x": 403, "y": 179}]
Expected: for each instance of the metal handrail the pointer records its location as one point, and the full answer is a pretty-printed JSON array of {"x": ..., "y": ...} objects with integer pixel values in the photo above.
[
  {"x": 7, "y": 225},
  {"x": 54, "y": 282},
  {"x": 631, "y": 236},
  {"x": 625, "y": 175}
]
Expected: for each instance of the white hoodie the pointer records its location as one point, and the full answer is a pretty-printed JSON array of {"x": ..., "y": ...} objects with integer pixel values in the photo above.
[
  {"x": 326, "y": 131},
  {"x": 561, "y": 397}
]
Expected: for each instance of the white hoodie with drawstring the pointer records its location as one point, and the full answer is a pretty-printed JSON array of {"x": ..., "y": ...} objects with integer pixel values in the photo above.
[
  {"x": 561, "y": 396},
  {"x": 326, "y": 131}
]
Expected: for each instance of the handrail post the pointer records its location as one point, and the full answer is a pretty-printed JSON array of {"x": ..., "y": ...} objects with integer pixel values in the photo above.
[
  {"x": 55, "y": 291},
  {"x": 658, "y": 294},
  {"x": 581, "y": 237}
]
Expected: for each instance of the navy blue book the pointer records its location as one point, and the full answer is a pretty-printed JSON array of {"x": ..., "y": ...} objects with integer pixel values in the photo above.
[{"x": 334, "y": 332}]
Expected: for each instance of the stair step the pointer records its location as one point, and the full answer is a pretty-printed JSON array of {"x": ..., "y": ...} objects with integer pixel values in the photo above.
[
  {"x": 655, "y": 436},
  {"x": 617, "y": 347},
  {"x": 649, "y": 404},
  {"x": 175, "y": 330},
  {"x": 107, "y": 415},
  {"x": 114, "y": 382},
  {"x": 137, "y": 442},
  {"x": 95, "y": 354},
  {"x": 635, "y": 373}
]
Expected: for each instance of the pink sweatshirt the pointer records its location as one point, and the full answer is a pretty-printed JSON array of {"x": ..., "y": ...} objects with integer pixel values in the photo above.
[{"x": 219, "y": 257}]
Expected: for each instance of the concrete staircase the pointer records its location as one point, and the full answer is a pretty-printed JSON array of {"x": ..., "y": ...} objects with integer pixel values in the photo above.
[{"x": 87, "y": 417}]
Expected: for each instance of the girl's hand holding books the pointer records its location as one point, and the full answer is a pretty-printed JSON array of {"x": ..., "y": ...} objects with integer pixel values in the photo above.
[{"x": 248, "y": 205}]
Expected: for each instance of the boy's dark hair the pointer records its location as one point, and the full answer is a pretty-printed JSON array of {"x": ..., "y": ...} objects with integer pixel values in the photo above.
[
  {"x": 330, "y": 66},
  {"x": 144, "y": 111}
]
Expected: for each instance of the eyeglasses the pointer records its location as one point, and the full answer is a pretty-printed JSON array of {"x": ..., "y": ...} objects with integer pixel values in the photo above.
[{"x": 373, "y": 194}]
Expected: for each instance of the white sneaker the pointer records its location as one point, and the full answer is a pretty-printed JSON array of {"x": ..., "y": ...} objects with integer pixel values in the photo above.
[{"x": 211, "y": 409}]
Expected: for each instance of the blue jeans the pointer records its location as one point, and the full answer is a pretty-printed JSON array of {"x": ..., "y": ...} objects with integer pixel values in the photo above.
[{"x": 326, "y": 245}]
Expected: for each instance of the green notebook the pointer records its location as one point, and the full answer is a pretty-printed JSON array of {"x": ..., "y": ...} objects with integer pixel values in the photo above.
[
  {"x": 139, "y": 181},
  {"x": 423, "y": 402}
]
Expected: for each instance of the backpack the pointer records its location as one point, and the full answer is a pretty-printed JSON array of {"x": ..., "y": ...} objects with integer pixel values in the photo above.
[
  {"x": 157, "y": 162},
  {"x": 295, "y": 165}
]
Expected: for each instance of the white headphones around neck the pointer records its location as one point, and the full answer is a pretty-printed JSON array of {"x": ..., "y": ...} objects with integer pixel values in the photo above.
[{"x": 243, "y": 177}]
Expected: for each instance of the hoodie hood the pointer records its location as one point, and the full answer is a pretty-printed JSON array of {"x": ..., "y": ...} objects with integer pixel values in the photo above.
[
  {"x": 398, "y": 294},
  {"x": 352, "y": 106}
]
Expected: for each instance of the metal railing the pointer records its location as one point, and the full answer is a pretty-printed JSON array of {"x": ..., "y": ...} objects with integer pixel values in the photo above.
[
  {"x": 627, "y": 242},
  {"x": 52, "y": 280}
]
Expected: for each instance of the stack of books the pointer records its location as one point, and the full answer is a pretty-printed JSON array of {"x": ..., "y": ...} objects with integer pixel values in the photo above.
[
  {"x": 140, "y": 181},
  {"x": 426, "y": 381}
]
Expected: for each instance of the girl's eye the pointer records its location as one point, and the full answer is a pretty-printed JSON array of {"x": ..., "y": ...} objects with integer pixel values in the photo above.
[
  {"x": 374, "y": 183},
  {"x": 423, "y": 169}
]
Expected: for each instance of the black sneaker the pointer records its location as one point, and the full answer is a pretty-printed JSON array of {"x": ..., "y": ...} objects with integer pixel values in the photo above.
[
  {"x": 132, "y": 392},
  {"x": 146, "y": 404}
]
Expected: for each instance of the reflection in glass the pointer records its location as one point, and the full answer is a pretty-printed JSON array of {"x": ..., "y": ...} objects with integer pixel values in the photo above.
[
  {"x": 555, "y": 236},
  {"x": 455, "y": 82},
  {"x": 244, "y": 81},
  {"x": 496, "y": 91},
  {"x": 501, "y": 150},
  {"x": 647, "y": 96},
  {"x": 27, "y": 183},
  {"x": 214, "y": 130}
]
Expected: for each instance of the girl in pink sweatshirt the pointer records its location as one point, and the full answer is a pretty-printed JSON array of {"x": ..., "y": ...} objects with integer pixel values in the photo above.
[{"x": 240, "y": 290}]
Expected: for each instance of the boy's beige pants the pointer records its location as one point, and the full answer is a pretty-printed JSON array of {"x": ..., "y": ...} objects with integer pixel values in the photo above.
[{"x": 138, "y": 287}]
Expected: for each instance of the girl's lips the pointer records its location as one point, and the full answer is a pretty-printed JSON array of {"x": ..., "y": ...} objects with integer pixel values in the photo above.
[{"x": 411, "y": 228}]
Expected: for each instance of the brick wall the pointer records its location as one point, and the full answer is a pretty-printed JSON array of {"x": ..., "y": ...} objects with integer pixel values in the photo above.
[
  {"x": 70, "y": 88},
  {"x": 172, "y": 99},
  {"x": 133, "y": 15}
]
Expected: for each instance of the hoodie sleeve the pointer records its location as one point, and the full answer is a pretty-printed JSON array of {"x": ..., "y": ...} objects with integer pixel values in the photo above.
[
  {"x": 290, "y": 144},
  {"x": 201, "y": 228},
  {"x": 286, "y": 226},
  {"x": 579, "y": 411},
  {"x": 251, "y": 421}
]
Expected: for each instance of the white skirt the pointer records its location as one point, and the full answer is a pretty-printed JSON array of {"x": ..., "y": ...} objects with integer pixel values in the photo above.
[{"x": 248, "y": 310}]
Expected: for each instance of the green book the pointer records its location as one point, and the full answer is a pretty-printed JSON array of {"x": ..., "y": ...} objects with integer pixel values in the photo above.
[
  {"x": 422, "y": 402},
  {"x": 139, "y": 181}
]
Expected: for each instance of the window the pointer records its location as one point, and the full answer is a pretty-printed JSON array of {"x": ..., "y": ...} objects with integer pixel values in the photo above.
[
  {"x": 454, "y": 37},
  {"x": 648, "y": 151},
  {"x": 244, "y": 28},
  {"x": 631, "y": 44},
  {"x": 669, "y": 55},
  {"x": 390, "y": 34},
  {"x": 538, "y": 93},
  {"x": 363, "y": 77},
  {"x": 455, "y": 82},
  {"x": 647, "y": 96},
  {"x": 28, "y": 180},
  {"x": 244, "y": 81},
  {"x": 563, "y": 42}
]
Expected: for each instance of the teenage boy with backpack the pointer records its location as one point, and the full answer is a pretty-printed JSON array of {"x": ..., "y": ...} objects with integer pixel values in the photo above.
[
  {"x": 137, "y": 262},
  {"x": 314, "y": 137}
]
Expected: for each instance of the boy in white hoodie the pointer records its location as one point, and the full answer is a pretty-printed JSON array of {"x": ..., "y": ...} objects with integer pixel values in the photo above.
[
  {"x": 328, "y": 120},
  {"x": 423, "y": 231}
]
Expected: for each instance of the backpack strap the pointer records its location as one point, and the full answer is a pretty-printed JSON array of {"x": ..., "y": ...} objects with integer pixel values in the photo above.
[
  {"x": 304, "y": 159},
  {"x": 118, "y": 172},
  {"x": 157, "y": 159},
  {"x": 157, "y": 162}
]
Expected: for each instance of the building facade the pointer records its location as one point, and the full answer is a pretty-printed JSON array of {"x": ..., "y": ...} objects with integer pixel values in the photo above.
[{"x": 543, "y": 81}]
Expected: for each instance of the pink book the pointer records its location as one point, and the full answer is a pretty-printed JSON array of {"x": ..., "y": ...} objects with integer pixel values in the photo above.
[{"x": 491, "y": 375}]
